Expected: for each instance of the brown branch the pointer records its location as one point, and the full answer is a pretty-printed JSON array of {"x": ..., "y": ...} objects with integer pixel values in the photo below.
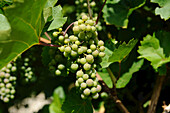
[
  {"x": 113, "y": 94},
  {"x": 45, "y": 40},
  {"x": 100, "y": 11},
  {"x": 51, "y": 45},
  {"x": 89, "y": 9},
  {"x": 46, "y": 34},
  {"x": 156, "y": 94}
]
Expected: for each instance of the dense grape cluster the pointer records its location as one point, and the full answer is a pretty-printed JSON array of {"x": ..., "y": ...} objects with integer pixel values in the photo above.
[
  {"x": 83, "y": 52},
  {"x": 7, "y": 82}
]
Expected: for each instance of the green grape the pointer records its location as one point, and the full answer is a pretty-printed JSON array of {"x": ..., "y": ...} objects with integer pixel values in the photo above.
[
  {"x": 55, "y": 34},
  {"x": 94, "y": 83},
  {"x": 66, "y": 41},
  {"x": 6, "y": 99},
  {"x": 75, "y": 39},
  {"x": 79, "y": 73},
  {"x": 104, "y": 95},
  {"x": 9, "y": 65},
  {"x": 74, "y": 47},
  {"x": 89, "y": 58},
  {"x": 86, "y": 66},
  {"x": 91, "y": 22},
  {"x": 93, "y": 4},
  {"x": 61, "y": 38},
  {"x": 101, "y": 54},
  {"x": 76, "y": 29},
  {"x": 77, "y": 83},
  {"x": 102, "y": 48},
  {"x": 95, "y": 53},
  {"x": 60, "y": 29},
  {"x": 99, "y": 88},
  {"x": 94, "y": 65},
  {"x": 84, "y": 17},
  {"x": 81, "y": 35},
  {"x": 85, "y": 76},
  {"x": 62, "y": 48},
  {"x": 85, "y": 4},
  {"x": 89, "y": 82},
  {"x": 71, "y": 38},
  {"x": 80, "y": 21},
  {"x": 74, "y": 66},
  {"x": 93, "y": 90},
  {"x": 86, "y": 91},
  {"x": 80, "y": 80},
  {"x": 83, "y": 85},
  {"x": 96, "y": 96},
  {"x": 14, "y": 68},
  {"x": 83, "y": 96},
  {"x": 89, "y": 35},
  {"x": 82, "y": 27},
  {"x": 80, "y": 51},
  {"x": 91, "y": 41},
  {"x": 84, "y": 48},
  {"x": 73, "y": 53},
  {"x": 67, "y": 49},
  {"x": 76, "y": 23},
  {"x": 89, "y": 51},
  {"x": 93, "y": 75},
  {"x": 77, "y": 42},
  {"x": 92, "y": 47},
  {"x": 58, "y": 72},
  {"x": 100, "y": 43},
  {"x": 83, "y": 60},
  {"x": 93, "y": 29},
  {"x": 88, "y": 28},
  {"x": 76, "y": 2},
  {"x": 61, "y": 66}
]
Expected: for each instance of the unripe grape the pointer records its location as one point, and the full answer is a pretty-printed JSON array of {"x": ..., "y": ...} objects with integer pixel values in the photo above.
[
  {"x": 60, "y": 29},
  {"x": 9, "y": 65},
  {"x": 68, "y": 49},
  {"x": 61, "y": 66},
  {"x": 12, "y": 96},
  {"x": 80, "y": 51},
  {"x": 74, "y": 66},
  {"x": 80, "y": 80},
  {"x": 86, "y": 91},
  {"x": 61, "y": 38},
  {"x": 101, "y": 54},
  {"x": 6, "y": 80},
  {"x": 77, "y": 42},
  {"x": 57, "y": 72},
  {"x": 55, "y": 34},
  {"x": 2, "y": 74},
  {"x": 100, "y": 43},
  {"x": 80, "y": 21},
  {"x": 83, "y": 96},
  {"x": 76, "y": 23},
  {"x": 75, "y": 38},
  {"x": 81, "y": 35},
  {"x": 88, "y": 28},
  {"x": 102, "y": 48},
  {"x": 7, "y": 91},
  {"x": 66, "y": 41},
  {"x": 93, "y": 29},
  {"x": 86, "y": 66},
  {"x": 7, "y": 70},
  {"x": 6, "y": 99},
  {"x": 89, "y": 51},
  {"x": 7, "y": 75},
  {"x": 85, "y": 76},
  {"x": 94, "y": 65},
  {"x": 12, "y": 91},
  {"x": 82, "y": 60},
  {"x": 93, "y": 90},
  {"x": 84, "y": 17},
  {"x": 83, "y": 27},
  {"x": 84, "y": 48},
  {"x": 26, "y": 59},
  {"x": 73, "y": 53},
  {"x": 66, "y": 35},
  {"x": 83, "y": 85},
  {"x": 76, "y": 2},
  {"x": 99, "y": 88},
  {"x": 93, "y": 3},
  {"x": 77, "y": 83},
  {"x": 14, "y": 68},
  {"x": 74, "y": 47},
  {"x": 89, "y": 82},
  {"x": 93, "y": 75},
  {"x": 79, "y": 73},
  {"x": 85, "y": 4},
  {"x": 94, "y": 83},
  {"x": 76, "y": 29},
  {"x": 89, "y": 58},
  {"x": 89, "y": 35},
  {"x": 91, "y": 42},
  {"x": 95, "y": 53},
  {"x": 91, "y": 22},
  {"x": 30, "y": 73},
  {"x": 9, "y": 85},
  {"x": 2, "y": 85},
  {"x": 92, "y": 47},
  {"x": 71, "y": 38},
  {"x": 104, "y": 95},
  {"x": 96, "y": 96}
]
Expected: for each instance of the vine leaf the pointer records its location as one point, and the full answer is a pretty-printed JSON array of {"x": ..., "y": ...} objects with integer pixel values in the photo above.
[
  {"x": 164, "y": 9},
  {"x": 26, "y": 25},
  {"x": 58, "y": 99},
  {"x": 150, "y": 49},
  {"x": 117, "y": 12},
  {"x": 75, "y": 104},
  {"x": 59, "y": 20},
  {"x": 122, "y": 51},
  {"x": 125, "y": 78},
  {"x": 5, "y": 28}
]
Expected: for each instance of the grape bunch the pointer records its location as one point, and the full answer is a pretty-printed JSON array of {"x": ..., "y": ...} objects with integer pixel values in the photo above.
[
  {"x": 7, "y": 82},
  {"x": 82, "y": 52}
]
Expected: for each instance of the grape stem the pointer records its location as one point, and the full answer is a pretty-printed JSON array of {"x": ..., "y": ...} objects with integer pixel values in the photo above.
[
  {"x": 113, "y": 78},
  {"x": 89, "y": 9},
  {"x": 119, "y": 71},
  {"x": 45, "y": 44},
  {"x": 100, "y": 12},
  {"x": 113, "y": 94},
  {"x": 46, "y": 34},
  {"x": 67, "y": 29}
]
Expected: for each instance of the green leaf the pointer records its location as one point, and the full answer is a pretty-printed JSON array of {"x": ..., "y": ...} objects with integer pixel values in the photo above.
[
  {"x": 74, "y": 104},
  {"x": 150, "y": 49},
  {"x": 122, "y": 51},
  {"x": 105, "y": 60},
  {"x": 125, "y": 78},
  {"x": 117, "y": 12},
  {"x": 59, "y": 20},
  {"x": 50, "y": 3},
  {"x": 164, "y": 9},
  {"x": 106, "y": 78},
  {"x": 58, "y": 98},
  {"x": 26, "y": 23},
  {"x": 5, "y": 28}
]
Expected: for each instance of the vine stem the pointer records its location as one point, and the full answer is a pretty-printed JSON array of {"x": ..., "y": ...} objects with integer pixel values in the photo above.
[
  {"x": 89, "y": 9},
  {"x": 113, "y": 78},
  {"x": 119, "y": 70},
  {"x": 67, "y": 29},
  {"x": 156, "y": 93},
  {"x": 100, "y": 11},
  {"x": 113, "y": 94}
]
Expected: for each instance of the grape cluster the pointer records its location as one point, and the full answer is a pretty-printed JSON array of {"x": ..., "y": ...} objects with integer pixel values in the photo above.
[
  {"x": 7, "y": 82},
  {"x": 83, "y": 52},
  {"x": 26, "y": 70}
]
